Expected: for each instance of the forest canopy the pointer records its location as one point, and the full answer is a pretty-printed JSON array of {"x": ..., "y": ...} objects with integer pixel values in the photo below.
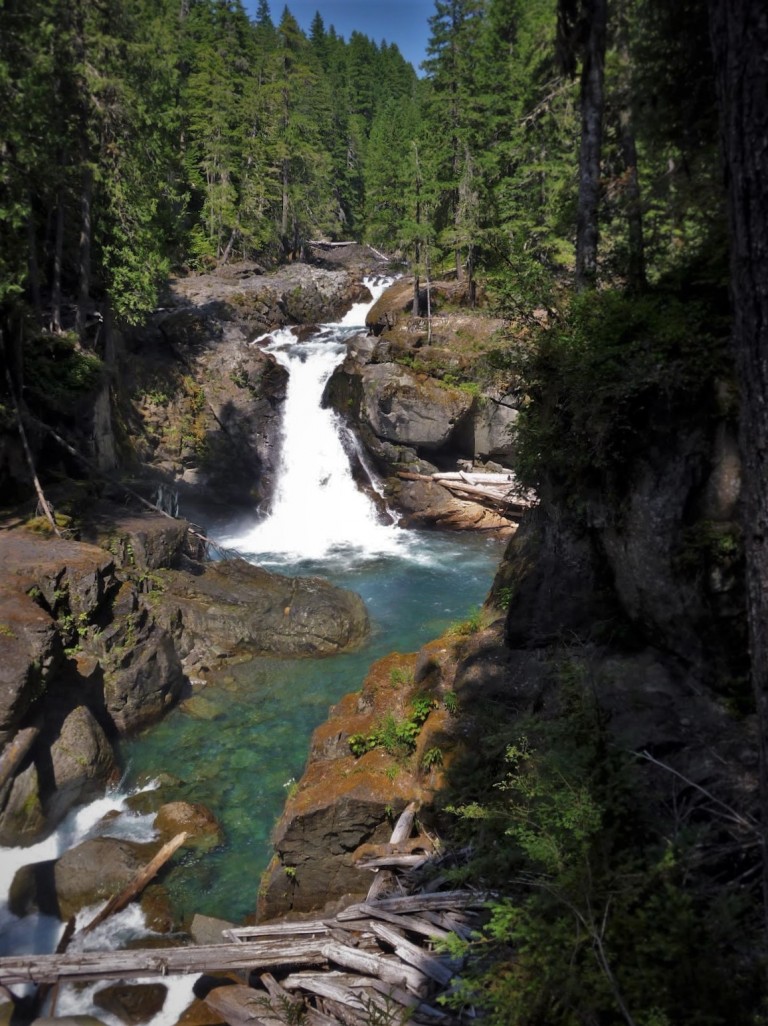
[{"x": 139, "y": 137}]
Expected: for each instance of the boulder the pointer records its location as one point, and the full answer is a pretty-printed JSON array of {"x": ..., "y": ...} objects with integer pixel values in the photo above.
[
  {"x": 344, "y": 802},
  {"x": 142, "y": 542},
  {"x": 428, "y": 504},
  {"x": 89, "y": 873},
  {"x": 132, "y": 1003},
  {"x": 233, "y": 607},
  {"x": 143, "y": 676},
  {"x": 82, "y": 762},
  {"x": 409, "y": 409}
]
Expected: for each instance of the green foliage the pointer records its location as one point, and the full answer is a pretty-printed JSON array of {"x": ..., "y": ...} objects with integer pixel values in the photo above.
[
  {"x": 473, "y": 623},
  {"x": 608, "y": 378},
  {"x": 432, "y": 757},
  {"x": 398, "y": 676},
  {"x": 59, "y": 372},
  {"x": 396, "y": 737},
  {"x": 451, "y": 702},
  {"x": 607, "y": 913}
]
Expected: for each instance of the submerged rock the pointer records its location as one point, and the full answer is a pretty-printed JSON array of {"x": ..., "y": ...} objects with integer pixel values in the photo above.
[{"x": 200, "y": 825}]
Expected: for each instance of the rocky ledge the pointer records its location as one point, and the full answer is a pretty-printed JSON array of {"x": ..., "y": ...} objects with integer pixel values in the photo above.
[{"x": 100, "y": 636}]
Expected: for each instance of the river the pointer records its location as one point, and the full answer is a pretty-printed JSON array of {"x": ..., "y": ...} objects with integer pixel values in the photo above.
[
  {"x": 258, "y": 718},
  {"x": 240, "y": 749}
]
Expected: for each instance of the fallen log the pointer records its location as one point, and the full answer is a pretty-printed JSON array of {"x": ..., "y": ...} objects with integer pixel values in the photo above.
[
  {"x": 494, "y": 494},
  {"x": 96, "y": 965},
  {"x": 471, "y": 478},
  {"x": 388, "y": 970},
  {"x": 401, "y": 832},
  {"x": 310, "y": 928},
  {"x": 414, "y": 955},
  {"x": 139, "y": 882},
  {"x": 411, "y": 923},
  {"x": 394, "y": 862},
  {"x": 440, "y": 901}
]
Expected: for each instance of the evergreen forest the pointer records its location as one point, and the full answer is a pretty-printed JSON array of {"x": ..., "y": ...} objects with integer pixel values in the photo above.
[
  {"x": 595, "y": 172},
  {"x": 139, "y": 137}
]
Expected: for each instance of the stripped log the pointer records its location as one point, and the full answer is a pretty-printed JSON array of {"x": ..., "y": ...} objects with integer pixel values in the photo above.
[
  {"x": 281, "y": 997},
  {"x": 414, "y": 955},
  {"x": 313, "y": 927},
  {"x": 139, "y": 882},
  {"x": 401, "y": 832},
  {"x": 394, "y": 862},
  {"x": 471, "y": 478},
  {"x": 500, "y": 496},
  {"x": 411, "y": 923},
  {"x": 450, "y": 923},
  {"x": 440, "y": 901},
  {"x": 96, "y": 965},
  {"x": 386, "y": 969}
]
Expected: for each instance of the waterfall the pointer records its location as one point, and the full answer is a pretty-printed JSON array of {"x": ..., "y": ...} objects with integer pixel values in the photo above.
[{"x": 318, "y": 512}]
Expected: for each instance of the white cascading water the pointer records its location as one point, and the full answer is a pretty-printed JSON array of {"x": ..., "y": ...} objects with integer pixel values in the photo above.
[
  {"x": 318, "y": 511},
  {"x": 37, "y": 934}
]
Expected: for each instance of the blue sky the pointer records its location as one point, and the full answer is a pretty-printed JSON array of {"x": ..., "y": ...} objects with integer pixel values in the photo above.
[{"x": 398, "y": 21}]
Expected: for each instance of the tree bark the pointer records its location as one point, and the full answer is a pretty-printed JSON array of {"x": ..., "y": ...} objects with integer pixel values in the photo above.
[
  {"x": 592, "y": 103},
  {"x": 739, "y": 33},
  {"x": 84, "y": 251},
  {"x": 636, "y": 263},
  {"x": 34, "y": 266},
  {"x": 58, "y": 258}
]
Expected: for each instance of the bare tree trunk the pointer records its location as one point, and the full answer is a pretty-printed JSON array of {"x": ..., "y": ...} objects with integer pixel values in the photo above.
[
  {"x": 58, "y": 256},
  {"x": 636, "y": 263},
  {"x": 84, "y": 252},
  {"x": 33, "y": 265},
  {"x": 739, "y": 33},
  {"x": 592, "y": 102},
  {"x": 285, "y": 210}
]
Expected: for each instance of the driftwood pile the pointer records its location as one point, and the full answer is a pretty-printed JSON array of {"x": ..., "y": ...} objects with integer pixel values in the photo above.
[
  {"x": 376, "y": 961},
  {"x": 501, "y": 492},
  {"x": 373, "y": 962}
]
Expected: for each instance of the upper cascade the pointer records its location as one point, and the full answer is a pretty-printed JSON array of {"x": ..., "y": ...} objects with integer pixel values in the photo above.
[{"x": 318, "y": 511}]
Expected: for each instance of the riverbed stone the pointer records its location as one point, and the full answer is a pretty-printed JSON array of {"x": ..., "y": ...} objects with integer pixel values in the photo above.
[
  {"x": 92, "y": 871},
  {"x": 197, "y": 821},
  {"x": 132, "y": 1003}
]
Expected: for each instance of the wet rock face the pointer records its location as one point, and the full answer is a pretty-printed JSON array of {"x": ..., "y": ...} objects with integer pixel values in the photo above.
[{"x": 204, "y": 402}]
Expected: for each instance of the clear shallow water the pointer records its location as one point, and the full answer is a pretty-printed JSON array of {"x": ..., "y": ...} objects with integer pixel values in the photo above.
[{"x": 259, "y": 717}]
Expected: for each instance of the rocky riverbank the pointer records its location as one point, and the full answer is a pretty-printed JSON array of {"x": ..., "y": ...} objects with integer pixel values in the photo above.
[{"x": 100, "y": 636}]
